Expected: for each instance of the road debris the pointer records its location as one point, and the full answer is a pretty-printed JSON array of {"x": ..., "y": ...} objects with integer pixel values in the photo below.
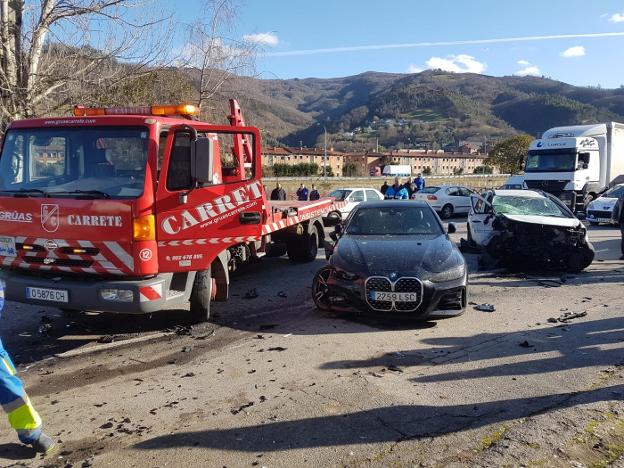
[
  {"x": 566, "y": 317},
  {"x": 188, "y": 374},
  {"x": 45, "y": 325},
  {"x": 485, "y": 307},
  {"x": 251, "y": 294},
  {"x": 282, "y": 294},
  {"x": 106, "y": 339},
  {"x": 242, "y": 407},
  {"x": 277, "y": 348},
  {"x": 526, "y": 344}
]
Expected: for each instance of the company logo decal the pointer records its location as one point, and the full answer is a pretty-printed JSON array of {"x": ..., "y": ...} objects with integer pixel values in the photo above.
[
  {"x": 50, "y": 245},
  {"x": 587, "y": 142},
  {"x": 16, "y": 217},
  {"x": 220, "y": 209},
  {"x": 50, "y": 217}
]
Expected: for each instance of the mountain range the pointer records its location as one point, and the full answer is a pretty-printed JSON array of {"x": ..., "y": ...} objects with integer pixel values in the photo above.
[{"x": 429, "y": 109}]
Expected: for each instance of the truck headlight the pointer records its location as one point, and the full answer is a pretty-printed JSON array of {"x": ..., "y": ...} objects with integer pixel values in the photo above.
[
  {"x": 450, "y": 275},
  {"x": 117, "y": 295}
]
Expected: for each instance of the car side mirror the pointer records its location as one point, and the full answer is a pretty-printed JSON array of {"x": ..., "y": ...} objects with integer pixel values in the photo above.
[
  {"x": 332, "y": 221},
  {"x": 202, "y": 160},
  {"x": 451, "y": 229}
]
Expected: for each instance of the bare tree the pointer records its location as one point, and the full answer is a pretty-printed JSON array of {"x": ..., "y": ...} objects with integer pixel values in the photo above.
[
  {"x": 55, "y": 52},
  {"x": 217, "y": 57}
]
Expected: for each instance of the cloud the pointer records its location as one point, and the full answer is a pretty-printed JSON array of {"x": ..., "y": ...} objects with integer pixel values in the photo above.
[
  {"x": 576, "y": 51},
  {"x": 265, "y": 39},
  {"x": 528, "y": 69},
  {"x": 410, "y": 45},
  {"x": 616, "y": 18},
  {"x": 413, "y": 68},
  {"x": 457, "y": 64}
]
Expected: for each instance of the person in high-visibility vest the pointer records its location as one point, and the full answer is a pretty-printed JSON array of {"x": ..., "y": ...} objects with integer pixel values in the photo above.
[{"x": 15, "y": 402}]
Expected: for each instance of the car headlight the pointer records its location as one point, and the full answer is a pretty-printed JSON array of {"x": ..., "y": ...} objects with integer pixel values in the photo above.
[
  {"x": 345, "y": 275},
  {"x": 451, "y": 274}
]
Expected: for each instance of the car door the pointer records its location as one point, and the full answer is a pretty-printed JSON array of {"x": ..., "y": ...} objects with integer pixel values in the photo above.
[
  {"x": 480, "y": 220},
  {"x": 354, "y": 198},
  {"x": 463, "y": 200},
  {"x": 372, "y": 195},
  {"x": 452, "y": 196}
]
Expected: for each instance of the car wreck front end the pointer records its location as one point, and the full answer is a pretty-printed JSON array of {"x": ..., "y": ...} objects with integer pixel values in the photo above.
[{"x": 528, "y": 241}]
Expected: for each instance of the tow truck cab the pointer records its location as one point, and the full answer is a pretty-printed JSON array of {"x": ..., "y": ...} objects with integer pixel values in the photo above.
[{"x": 129, "y": 210}]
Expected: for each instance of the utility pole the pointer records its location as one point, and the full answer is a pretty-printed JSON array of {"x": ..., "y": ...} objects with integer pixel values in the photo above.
[{"x": 325, "y": 154}]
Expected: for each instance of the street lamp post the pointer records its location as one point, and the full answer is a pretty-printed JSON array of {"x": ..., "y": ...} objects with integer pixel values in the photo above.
[{"x": 324, "y": 151}]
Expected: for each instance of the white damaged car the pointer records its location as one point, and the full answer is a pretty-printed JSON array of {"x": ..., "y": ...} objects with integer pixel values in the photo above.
[
  {"x": 600, "y": 210},
  {"x": 528, "y": 229}
]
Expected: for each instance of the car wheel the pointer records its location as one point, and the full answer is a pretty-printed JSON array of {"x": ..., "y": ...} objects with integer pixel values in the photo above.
[
  {"x": 320, "y": 289},
  {"x": 447, "y": 211}
]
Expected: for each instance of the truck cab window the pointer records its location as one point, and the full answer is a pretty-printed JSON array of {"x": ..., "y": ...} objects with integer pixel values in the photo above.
[
  {"x": 179, "y": 173},
  {"x": 583, "y": 160}
]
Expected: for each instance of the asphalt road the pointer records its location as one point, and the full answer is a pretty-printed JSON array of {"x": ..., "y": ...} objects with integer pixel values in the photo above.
[{"x": 274, "y": 382}]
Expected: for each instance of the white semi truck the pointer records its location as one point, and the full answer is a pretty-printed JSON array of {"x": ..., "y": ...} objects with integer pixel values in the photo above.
[{"x": 576, "y": 163}]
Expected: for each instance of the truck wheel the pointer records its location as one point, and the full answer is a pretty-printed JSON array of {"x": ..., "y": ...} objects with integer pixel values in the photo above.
[
  {"x": 447, "y": 211},
  {"x": 204, "y": 290},
  {"x": 303, "y": 248}
]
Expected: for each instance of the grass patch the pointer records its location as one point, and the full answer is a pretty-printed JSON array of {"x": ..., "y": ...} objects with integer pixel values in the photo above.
[{"x": 493, "y": 438}]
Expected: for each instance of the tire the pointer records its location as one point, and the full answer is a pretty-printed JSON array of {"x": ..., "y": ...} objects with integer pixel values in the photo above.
[
  {"x": 320, "y": 289},
  {"x": 447, "y": 211},
  {"x": 204, "y": 291},
  {"x": 304, "y": 248},
  {"x": 578, "y": 261}
]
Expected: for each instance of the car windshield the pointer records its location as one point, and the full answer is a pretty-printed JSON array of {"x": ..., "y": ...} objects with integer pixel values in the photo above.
[
  {"x": 536, "y": 206},
  {"x": 550, "y": 162},
  {"x": 429, "y": 190},
  {"x": 340, "y": 194},
  {"x": 105, "y": 162},
  {"x": 614, "y": 192},
  {"x": 393, "y": 221}
]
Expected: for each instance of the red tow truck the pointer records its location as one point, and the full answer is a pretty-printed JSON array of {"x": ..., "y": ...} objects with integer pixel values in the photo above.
[{"x": 135, "y": 209}]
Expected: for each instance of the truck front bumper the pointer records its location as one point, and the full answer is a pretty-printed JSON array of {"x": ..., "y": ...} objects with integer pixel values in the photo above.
[{"x": 129, "y": 296}]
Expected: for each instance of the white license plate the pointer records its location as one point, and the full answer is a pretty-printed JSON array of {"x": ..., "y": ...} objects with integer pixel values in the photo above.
[
  {"x": 394, "y": 296},
  {"x": 45, "y": 294},
  {"x": 7, "y": 246},
  {"x": 603, "y": 220}
]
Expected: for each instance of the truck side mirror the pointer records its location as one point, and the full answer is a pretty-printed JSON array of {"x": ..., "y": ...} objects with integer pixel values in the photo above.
[{"x": 202, "y": 160}]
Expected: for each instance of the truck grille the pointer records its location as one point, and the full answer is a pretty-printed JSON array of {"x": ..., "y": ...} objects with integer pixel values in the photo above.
[
  {"x": 554, "y": 187},
  {"x": 405, "y": 285}
]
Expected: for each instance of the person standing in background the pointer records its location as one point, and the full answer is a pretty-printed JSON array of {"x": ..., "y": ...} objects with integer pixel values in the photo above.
[{"x": 314, "y": 194}]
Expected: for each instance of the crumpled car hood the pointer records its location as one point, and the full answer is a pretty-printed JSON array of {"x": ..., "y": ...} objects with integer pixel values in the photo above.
[
  {"x": 419, "y": 256},
  {"x": 546, "y": 220}
]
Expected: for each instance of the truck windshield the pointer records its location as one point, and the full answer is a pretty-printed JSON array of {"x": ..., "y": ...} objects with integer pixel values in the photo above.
[
  {"x": 106, "y": 162},
  {"x": 550, "y": 161}
]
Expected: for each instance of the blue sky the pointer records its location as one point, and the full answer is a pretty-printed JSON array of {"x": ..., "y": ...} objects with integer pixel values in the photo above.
[{"x": 289, "y": 28}]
